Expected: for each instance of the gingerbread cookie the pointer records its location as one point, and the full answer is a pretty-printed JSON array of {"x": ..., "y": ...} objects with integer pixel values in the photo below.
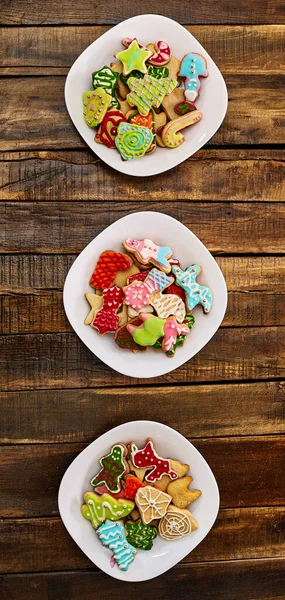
[
  {"x": 180, "y": 493},
  {"x": 114, "y": 466}
]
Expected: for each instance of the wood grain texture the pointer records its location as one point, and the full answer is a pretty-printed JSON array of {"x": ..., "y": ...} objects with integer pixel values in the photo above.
[
  {"x": 31, "y": 292},
  {"x": 28, "y": 545},
  {"x": 225, "y": 228},
  {"x": 55, "y": 416},
  {"x": 52, "y": 50},
  {"x": 80, "y": 11},
  {"x": 39, "y": 361},
  {"x": 261, "y": 579},
  {"x": 40, "y": 108},
  {"x": 78, "y": 175},
  {"x": 247, "y": 470}
]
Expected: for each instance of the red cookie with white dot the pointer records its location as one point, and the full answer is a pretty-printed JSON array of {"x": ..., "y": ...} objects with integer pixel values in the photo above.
[{"x": 147, "y": 458}]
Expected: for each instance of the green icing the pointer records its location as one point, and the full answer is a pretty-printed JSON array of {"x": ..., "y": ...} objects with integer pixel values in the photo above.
[
  {"x": 158, "y": 72},
  {"x": 153, "y": 329},
  {"x": 106, "y": 79},
  {"x": 140, "y": 535},
  {"x": 134, "y": 73},
  {"x": 113, "y": 468},
  {"x": 95, "y": 106}
]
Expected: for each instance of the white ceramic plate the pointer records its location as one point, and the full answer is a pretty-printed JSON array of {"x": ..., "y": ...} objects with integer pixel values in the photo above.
[
  {"x": 187, "y": 247},
  {"x": 164, "y": 554},
  {"x": 212, "y": 101}
]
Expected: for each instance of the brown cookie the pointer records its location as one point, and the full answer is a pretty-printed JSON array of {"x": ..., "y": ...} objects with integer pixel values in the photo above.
[
  {"x": 169, "y": 103},
  {"x": 180, "y": 493},
  {"x": 122, "y": 87},
  {"x": 181, "y": 470},
  {"x": 121, "y": 278},
  {"x": 96, "y": 303}
]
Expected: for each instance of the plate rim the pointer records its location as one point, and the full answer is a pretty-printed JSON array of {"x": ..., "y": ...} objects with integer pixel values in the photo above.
[{"x": 144, "y": 423}]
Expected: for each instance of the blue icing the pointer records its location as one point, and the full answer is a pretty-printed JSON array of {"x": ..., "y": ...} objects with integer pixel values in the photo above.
[
  {"x": 195, "y": 293},
  {"x": 192, "y": 66},
  {"x": 162, "y": 253},
  {"x": 113, "y": 535}
]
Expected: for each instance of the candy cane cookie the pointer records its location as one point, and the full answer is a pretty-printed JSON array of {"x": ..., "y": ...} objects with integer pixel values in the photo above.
[{"x": 172, "y": 136}]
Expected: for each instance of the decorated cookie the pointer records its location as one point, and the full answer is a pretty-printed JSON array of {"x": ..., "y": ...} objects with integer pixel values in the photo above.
[
  {"x": 122, "y": 88},
  {"x": 99, "y": 508},
  {"x": 146, "y": 252},
  {"x": 107, "y": 320},
  {"x": 134, "y": 57},
  {"x": 149, "y": 92},
  {"x": 135, "y": 73},
  {"x": 148, "y": 458},
  {"x": 181, "y": 470},
  {"x": 96, "y": 303},
  {"x": 96, "y": 104},
  {"x": 150, "y": 330},
  {"x": 168, "y": 304},
  {"x": 107, "y": 130},
  {"x": 102, "y": 489},
  {"x": 158, "y": 72},
  {"x": 113, "y": 468},
  {"x": 195, "y": 293},
  {"x": 132, "y": 312},
  {"x": 107, "y": 267},
  {"x": 127, "y": 41},
  {"x": 173, "y": 288},
  {"x": 122, "y": 277},
  {"x": 113, "y": 536},
  {"x": 124, "y": 339},
  {"x": 138, "y": 277},
  {"x": 184, "y": 107},
  {"x": 133, "y": 141},
  {"x": 172, "y": 330},
  {"x": 162, "y": 54},
  {"x": 180, "y": 339},
  {"x": 140, "y": 535},
  {"x": 139, "y": 293},
  {"x": 180, "y": 493},
  {"x": 192, "y": 67},
  {"x": 108, "y": 80},
  {"x": 132, "y": 484},
  {"x": 176, "y": 523},
  {"x": 145, "y": 121},
  {"x": 152, "y": 503},
  {"x": 172, "y": 136},
  {"x": 170, "y": 102}
]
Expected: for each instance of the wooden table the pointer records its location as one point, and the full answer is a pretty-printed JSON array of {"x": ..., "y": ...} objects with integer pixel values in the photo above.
[{"x": 57, "y": 397}]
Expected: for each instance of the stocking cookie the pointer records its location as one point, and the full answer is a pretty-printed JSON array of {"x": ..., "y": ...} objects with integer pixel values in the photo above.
[
  {"x": 195, "y": 293},
  {"x": 140, "y": 535},
  {"x": 176, "y": 523},
  {"x": 148, "y": 458},
  {"x": 99, "y": 508},
  {"x": 180, "y": 493},
  {"x": 113, "y": 536},
  {"x": 152, "y": 503},
  {"x": 107, "y": 267},
  {"x": 114, "y": 466}
]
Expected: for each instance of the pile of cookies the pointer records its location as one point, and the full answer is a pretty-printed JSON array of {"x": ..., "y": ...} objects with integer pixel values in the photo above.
[
  {"x": 144, "y": 297},
  {"x": 138, "y": 495},
  {"x": 137, "y": 103}
]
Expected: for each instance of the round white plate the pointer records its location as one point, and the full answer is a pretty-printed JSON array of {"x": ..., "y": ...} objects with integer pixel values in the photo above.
[
  {"x": 212, "y": 101},
  {"x": 163, "y": 230},
  {"x": 164, "y": 554}
]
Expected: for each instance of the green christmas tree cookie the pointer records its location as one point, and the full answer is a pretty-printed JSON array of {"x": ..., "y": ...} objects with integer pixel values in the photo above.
[
  {"x": 140, "y": 535},
  {"x": 99, "y": 508}
]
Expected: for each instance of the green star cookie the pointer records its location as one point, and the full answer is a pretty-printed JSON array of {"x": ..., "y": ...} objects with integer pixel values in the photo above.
[
  {"x": 133, "y": 57},
  {"x": 140, "y": 535}
]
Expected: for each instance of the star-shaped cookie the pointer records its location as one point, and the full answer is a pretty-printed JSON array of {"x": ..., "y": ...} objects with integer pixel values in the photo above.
[{"x": 133, "y": 57}]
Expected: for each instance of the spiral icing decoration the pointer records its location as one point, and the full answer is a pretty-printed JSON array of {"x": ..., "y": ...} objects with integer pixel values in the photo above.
[
  {"x": 132, "y": 140},
  {"x": 174, "y": 525}
]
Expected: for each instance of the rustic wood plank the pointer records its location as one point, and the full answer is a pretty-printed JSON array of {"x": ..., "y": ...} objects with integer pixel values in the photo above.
[
  {"x": 51, "y": 50},
  {"x": 25, "y": 274},
  {"x": 195, "y": 410},
  {"x": 250, "y": 466},
  {"x": 39, "y": 105},
  {"x": 239, "y": 228},
  {"x": 29, "y": 545},
  {"x": 230, "y": 580},
  {"x": 39, "y": 361},
  {"x": 42, "y": 311},
  {"x": 72, "y": 12},
  {"x": 208, "y": 175}
]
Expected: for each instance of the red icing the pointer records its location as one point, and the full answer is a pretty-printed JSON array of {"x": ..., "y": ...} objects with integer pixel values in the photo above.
[
  {"x": 162, "y": 55},
  {"x": 102, "y": 489},
  {"x": 108, "y": 128},
  {"x": 177, "y": 290},
  {"x": 106, "y": 319},
  {"x": 108, "y": 265},
  {"x": 132, "y": 486},
  {"x": 147, "y": 457},
  {"x": 138, "y": 277}
]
